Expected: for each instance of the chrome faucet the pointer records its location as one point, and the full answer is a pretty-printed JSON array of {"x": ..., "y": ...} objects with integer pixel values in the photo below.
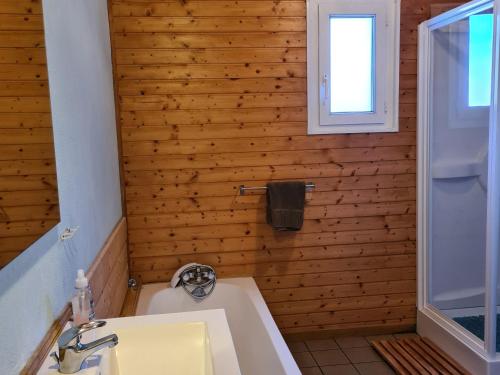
[{"x": 72, "y": 352}]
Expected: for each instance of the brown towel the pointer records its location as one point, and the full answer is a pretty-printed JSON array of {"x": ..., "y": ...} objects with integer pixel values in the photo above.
[{"x": 285, "y": 205}]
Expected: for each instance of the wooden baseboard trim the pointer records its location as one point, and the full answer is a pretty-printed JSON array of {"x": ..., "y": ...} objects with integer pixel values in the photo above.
[
  {"x": 358, "y": 331},
  {"x": 108, "y": 276}
]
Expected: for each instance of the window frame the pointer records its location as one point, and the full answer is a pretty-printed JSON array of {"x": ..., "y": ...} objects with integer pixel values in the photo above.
[{"x": 384, "y": 118}]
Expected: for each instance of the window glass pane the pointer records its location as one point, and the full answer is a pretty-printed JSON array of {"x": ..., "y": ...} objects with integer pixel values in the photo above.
[
  {"x": 480, "y": 57},
  {"x": 351, "y": 63}
]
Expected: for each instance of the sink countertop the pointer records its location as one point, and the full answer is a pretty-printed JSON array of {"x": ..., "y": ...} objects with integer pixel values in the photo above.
[{"x": 224, "y": 357}]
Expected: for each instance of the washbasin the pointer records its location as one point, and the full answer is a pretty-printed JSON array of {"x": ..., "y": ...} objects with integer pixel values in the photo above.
[
  {"x": 179, "y": 348},
  {"x": 187, "y": 343}
]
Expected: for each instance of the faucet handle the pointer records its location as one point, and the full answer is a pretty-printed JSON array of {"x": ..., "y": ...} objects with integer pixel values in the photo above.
[
  {"x": 55, "y": 357},
  {"x": 72, "y": 335}
]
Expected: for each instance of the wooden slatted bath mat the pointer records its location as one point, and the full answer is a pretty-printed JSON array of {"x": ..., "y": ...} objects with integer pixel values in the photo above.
[{"x": 417, "y": 356}]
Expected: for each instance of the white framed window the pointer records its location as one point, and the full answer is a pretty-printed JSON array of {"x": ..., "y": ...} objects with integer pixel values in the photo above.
[{"x": 352, "y": 66}]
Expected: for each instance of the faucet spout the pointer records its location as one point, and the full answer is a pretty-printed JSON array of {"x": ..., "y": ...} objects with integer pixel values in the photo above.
[
  {"x": 104, "y": 342},
  {"x": 72, "y": 353}
]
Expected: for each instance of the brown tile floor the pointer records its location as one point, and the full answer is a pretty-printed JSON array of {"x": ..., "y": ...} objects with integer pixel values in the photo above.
[{"x": 340, "y": 356}]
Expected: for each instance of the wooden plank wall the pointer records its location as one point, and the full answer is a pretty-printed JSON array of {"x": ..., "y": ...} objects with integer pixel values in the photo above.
[
  {"x": 28, "y": 186},
  {"x": 213, "y": 95},
  {"x": 109, "y": 274}
]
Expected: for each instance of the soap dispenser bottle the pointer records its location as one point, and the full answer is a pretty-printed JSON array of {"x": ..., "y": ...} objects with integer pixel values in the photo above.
[{"x": 82, "y": 302}]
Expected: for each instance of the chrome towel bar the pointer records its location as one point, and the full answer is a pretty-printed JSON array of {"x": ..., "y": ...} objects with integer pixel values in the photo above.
[{"x": 309, "y": 186}]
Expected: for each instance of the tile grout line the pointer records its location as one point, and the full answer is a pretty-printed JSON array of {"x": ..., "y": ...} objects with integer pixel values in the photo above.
[
  {"x": 319, "y": 367},
  {"x": 314, "y": 359},
  {"x": 349, "y": 359}
]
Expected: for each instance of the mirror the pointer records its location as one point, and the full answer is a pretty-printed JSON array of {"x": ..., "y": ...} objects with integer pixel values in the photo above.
[{"x": 29, "y": 205}]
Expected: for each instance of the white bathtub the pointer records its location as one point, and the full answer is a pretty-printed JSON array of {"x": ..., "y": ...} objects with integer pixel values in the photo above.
[{"x": 259, "y": 345}]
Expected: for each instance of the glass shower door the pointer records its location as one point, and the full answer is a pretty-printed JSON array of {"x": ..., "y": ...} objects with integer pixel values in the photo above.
[{"x": 460, "y": 71}]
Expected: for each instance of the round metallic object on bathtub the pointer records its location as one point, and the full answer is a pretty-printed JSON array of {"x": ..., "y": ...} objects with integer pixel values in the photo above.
[
  {"x": 198, "y": 281},
  {"x": 132, "y": 283}
]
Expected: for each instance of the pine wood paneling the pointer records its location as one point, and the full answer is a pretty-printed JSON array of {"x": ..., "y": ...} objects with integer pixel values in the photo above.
[
  {"x": 209, "y": 8},
  {"x": 212, "y": 95},
  {"x": 12, "y": 122},
  {"x": 109, "y": 274},
  {"x": 199, "y": 24},
  {"x": 28, "y": 186}
]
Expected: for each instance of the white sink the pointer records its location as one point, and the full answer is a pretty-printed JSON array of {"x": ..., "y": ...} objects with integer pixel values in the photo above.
[
  {"x": 181, "y": 348},
  {"x": 188, "y": 343}
]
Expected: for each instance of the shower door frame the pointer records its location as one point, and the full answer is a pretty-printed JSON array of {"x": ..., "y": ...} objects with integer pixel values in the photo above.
[{"x": 466, "y": 347}]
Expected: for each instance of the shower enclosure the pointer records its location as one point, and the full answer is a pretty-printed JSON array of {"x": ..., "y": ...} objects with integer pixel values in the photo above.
[{"x": 458, "y": 184}]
